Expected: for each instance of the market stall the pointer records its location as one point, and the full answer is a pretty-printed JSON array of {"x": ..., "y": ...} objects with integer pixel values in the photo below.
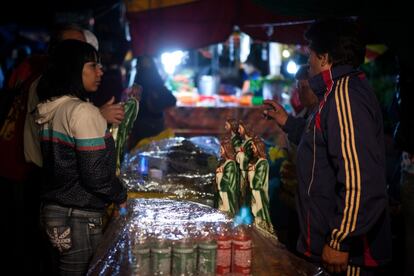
[{"x": 172, "y": 226}]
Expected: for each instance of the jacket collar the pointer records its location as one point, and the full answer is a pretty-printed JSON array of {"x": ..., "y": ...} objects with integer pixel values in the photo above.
[{"x": 320, "y": 82}]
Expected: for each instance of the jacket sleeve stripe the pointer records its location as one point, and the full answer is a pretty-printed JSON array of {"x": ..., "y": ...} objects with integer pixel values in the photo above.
[
  {"x": 348, "y": 137},
  {"x": 355, "y": 155},
  {"x": 337, "y": 232},
  {"x": 352, "y": 173},
  {"x": 356, "y": 183}
]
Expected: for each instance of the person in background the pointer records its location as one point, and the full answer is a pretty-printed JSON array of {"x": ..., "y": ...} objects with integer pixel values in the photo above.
[
  {"x": 342, "y": 194},
  {"x": 155, "y": 99},
  {"x": 78, "y": 156},
  {"x": 307, "y": 97},
  {"x": 252, "y": 74},
  {"x": 288, "y": 229}
]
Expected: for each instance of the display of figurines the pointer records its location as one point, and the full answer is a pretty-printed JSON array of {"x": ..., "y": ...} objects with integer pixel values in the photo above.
[
  {"x": 258, "y": 178},
  {"x": 232, "y": 128},
  {"x": 243, "y": 155},
  {"x": 227, "y": 180},
  {"x": 242, "y": 176}
]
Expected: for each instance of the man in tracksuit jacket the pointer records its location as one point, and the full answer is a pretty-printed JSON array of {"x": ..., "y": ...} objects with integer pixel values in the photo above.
[{"x": 342, "y": 196}]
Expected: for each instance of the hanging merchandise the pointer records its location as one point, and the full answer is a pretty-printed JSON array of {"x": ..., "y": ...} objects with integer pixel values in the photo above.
[{"x": 120, "y": 132}]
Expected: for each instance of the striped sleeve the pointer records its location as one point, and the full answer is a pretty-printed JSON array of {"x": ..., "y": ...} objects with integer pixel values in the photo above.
[
  {"x": 353, "y": 145},
  {"x": 95, "y": 154},
  {"x": 88, "y": 128}
]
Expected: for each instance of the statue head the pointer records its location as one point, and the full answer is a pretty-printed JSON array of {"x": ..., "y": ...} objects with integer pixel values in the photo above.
[
  {"x": 231, "y": 125},
  {"x": 244, "y": 130},
  {"x": 258, "y": 147},
  {"x": 226, "y": 149}
]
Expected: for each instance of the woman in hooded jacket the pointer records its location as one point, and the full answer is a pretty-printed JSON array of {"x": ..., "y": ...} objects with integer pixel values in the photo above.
[{"x": 79, "y": 179}]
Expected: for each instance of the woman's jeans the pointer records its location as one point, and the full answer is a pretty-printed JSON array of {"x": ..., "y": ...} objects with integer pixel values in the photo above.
[{"x": 75, "y": 233}]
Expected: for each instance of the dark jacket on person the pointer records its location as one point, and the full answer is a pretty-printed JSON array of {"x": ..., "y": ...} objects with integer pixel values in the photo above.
[
  {"x": 78, "y": 156},
  {"x": 342, "y": 196},
  {"x": 155, "y": 99}
]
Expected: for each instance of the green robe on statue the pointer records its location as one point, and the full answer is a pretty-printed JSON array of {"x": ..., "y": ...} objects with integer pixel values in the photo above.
[
  {"x": 236, "y": 141},
  {"x": 227, "y": 179},
  {"x": 258, "y": 175}
]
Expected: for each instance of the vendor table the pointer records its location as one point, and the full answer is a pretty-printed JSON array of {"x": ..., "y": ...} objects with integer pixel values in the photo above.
[{"x": 165, "y": 219}]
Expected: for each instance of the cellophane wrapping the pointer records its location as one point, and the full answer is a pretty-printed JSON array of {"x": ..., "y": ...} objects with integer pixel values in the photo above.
[
  {"x": 171, "y": 221},
  {"x": 181, "y": 168},
  {"x": 152, "y": 220}
]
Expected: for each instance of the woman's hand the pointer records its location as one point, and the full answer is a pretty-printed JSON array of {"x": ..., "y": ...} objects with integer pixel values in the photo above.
[
  {"x": 275, "y": 111},
  {"x": 121, "y": 210},
  {"x": 113, "y": 113}
]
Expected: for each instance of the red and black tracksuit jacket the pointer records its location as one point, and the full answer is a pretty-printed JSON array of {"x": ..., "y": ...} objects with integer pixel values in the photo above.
[{"x": 342, "y": 195}]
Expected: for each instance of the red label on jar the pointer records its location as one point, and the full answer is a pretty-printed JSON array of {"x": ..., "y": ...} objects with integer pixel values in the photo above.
[
  {"x": 242, "y": 256},
  {"x": 223, "y": 255}
]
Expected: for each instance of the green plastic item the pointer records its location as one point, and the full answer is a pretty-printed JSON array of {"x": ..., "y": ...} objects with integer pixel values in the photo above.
[{"x": 120, "y": 133}]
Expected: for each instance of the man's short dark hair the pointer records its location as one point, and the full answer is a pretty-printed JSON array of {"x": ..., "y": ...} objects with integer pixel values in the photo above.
[{"x": 339, "y": 38}]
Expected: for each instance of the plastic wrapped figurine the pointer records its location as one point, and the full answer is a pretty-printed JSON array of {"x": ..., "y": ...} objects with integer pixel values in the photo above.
[
  {"x": 227, "y": 180},
  {"x": 258, "y": 175},
  {"x": 242, "y": 158}
]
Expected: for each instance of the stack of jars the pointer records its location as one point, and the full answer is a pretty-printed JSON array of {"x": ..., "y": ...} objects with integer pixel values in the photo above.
[{"x": 222, "y": 251}]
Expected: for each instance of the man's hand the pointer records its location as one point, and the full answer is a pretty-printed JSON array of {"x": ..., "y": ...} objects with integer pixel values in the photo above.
[
  {"x": 333, "y": 260},
  {"x": 275, "y": 111},
  {"x": 113, "y": 113}
]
